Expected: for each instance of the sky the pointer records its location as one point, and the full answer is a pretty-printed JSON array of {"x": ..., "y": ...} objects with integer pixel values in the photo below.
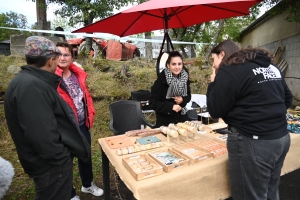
[{"x": 28, "y": 8}]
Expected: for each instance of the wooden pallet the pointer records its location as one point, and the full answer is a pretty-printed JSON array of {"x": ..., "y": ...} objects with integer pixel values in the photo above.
[
  {"x": 277, "y": 54},
  {"x": 283, "y": 66}
]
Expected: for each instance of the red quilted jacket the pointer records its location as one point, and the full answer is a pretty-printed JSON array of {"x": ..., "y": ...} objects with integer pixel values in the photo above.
[{"x": 81, "y": 75}]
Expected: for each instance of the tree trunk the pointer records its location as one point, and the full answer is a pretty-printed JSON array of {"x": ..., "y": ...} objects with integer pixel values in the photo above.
[
  {"x": 183, "y": 52},
  {"x": 148, "y": 47},
  {"x": 221, "y": 24},
  {"x": 193, "y": 50},
  {"x": 89, "y": 41},
  {"x": 41, "y": 15},
  {"x": 181, "y": 33}
]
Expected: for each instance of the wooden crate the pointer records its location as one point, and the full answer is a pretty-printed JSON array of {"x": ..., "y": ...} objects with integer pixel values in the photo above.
[
  {"x": 142, "y": 166},
  {"x": 221, "y": 138},
  {"x": 193, "y": 153},
  {"x": 212, "y": 145},
  {"x": 170, "y": 167}
]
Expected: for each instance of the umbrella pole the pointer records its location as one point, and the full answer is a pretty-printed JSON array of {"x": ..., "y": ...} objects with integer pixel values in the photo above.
[
  {"x": 166, "y": 18},
  {"x": 168, "y": 43}
]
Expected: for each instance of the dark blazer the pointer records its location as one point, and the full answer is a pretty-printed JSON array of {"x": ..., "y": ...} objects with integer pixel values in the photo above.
[
  {"x": 162, "y": 106},
  {"x": 41, "y": 123}
]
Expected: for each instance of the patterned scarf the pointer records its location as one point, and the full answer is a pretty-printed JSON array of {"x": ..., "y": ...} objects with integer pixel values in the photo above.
[{"x": 177, "y": 85}]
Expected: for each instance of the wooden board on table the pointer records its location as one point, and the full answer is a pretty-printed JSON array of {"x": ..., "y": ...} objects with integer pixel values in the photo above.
[{"x": 118, "y": 141}]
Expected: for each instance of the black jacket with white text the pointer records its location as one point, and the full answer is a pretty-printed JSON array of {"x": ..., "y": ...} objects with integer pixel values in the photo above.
[{"x": 253, "y": 97}]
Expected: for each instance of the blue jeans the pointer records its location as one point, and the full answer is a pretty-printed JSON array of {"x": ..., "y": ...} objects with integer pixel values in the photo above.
[
  {"x": 55, "y": 183},
  {"x": 85, "y": 168},
  {"x": 255, "y": 166}
]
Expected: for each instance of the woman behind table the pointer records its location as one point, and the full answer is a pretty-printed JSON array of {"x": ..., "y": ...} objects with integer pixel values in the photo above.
[
  {"x": 251, "y": 96},
  {"x": 171, "y": 92},
  {"x": 73, "y": 89}
]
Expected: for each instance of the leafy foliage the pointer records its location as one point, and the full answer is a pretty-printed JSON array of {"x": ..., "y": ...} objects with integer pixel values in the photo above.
[
  {"x": 85, "y": 11},
  {"x": 64, "y": 23},
  {"x": 233, "y": 26},
  {"x": 13, "y": 20},
  {"x": 292, "y": 7},
  {"x": 205, "y": 32}
]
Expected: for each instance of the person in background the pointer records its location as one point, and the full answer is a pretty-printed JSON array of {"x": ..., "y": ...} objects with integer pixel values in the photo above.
[
  {"x": 60, "y": 35},
  {"x": 73, "y": 89},
  {"x": 251, "y": 96},
  {"x": 43, "y": 127},
  {"x": 171, "y": 92}
]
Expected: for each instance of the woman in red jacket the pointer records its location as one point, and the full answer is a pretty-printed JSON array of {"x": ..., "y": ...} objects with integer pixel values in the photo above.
[{"x": 73, "y": 89}]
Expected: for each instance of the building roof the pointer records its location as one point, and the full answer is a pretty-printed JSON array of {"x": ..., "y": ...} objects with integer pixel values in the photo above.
[
  {"x": 259, "y": 20},
  {"x": 155, "y": 45}
]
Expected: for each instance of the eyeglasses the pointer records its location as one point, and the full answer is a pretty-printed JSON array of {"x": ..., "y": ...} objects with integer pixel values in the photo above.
[{"x": 64, "y": 55}]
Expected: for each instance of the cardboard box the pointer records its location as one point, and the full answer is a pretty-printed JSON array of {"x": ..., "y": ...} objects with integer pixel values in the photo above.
[{"x": 142, "y": 166}]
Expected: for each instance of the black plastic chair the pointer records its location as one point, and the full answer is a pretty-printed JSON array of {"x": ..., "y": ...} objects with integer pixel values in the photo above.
[
  {"x": 192, "y": 114},
  {"x": 126, "y": 115}
]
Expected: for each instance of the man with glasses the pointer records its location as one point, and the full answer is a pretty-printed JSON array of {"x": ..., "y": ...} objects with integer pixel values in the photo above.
[
  {"x": 73, "y": 89},
  {"x": 42, "y": 125}
]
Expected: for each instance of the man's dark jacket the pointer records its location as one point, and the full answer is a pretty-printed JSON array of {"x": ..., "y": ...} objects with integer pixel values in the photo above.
[
  {"x": 163, "y": 106},
  {"x": 42, "y": 125}
]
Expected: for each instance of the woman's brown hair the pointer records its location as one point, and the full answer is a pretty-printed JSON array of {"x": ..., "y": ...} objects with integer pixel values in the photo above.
[
  {"x": 67, "y": 45},
  {"x": 228, "y": 46},
  {"x": 246, "y": 55}
]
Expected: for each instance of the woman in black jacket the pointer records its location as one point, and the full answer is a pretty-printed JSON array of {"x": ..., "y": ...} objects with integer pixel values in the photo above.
[
  {"x": 171, "y": 92},
  {"x": 252, "y": 97}
]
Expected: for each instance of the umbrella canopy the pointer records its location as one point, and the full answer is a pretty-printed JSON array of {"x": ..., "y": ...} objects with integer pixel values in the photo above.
[{"x": 165, "y": 14}]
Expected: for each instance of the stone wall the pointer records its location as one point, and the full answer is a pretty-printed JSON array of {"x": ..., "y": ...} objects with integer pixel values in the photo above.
[
  {"x": 268, "y": 29},
  {"x": 292, "y": 56},
  {"x": 17, "y": 43},
  {"x": 271, "y": 32}
]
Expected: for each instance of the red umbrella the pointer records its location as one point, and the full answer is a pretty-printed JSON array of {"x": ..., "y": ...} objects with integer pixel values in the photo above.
[{"x": 165, "y": 14}]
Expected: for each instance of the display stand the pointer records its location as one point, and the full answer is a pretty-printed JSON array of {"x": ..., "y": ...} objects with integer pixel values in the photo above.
[
  {"x": 192, "y": 130},
  {"x": 186, "y": 138},
  {"x": 172, "y": 136},
  {"x": 176, "y": 140},
  {"x": 183, "y": 134},
  {"x": 194, "y": 136}
]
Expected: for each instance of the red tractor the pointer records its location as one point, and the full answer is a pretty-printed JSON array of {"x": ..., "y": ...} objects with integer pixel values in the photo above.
[{"x": 111, "y": 50}]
